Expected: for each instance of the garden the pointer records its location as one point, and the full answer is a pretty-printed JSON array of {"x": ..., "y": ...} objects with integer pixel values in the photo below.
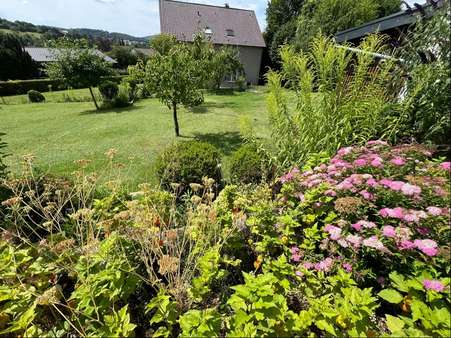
[{"x": 317, "y": 205}]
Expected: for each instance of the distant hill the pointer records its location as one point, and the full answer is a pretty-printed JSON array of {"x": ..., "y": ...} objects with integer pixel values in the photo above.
[{"x": 38, "y": 35}]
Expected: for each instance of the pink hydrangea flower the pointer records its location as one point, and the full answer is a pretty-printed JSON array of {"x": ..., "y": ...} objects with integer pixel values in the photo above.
[
  {"x": 374, "y": 242},
  {"x": 295, "y": 254},
  {"x": 330, "y": 193},
  {"x": 334, "y": 232},
  {"x": 325, "y": 265},
  {"x": 393, "y": 213},
  {"x": 389, "y": 231},
  {"x": 406, "y": 245},
  {"x": 344, "y": 151},
  {"x": 398, "y": 161},
  {"x": 434, "y": 211},
  {"x": 367, "y": 195},
  {"x": 345, "y": 185},
  {"x": 357, "y": 226},
  {"x": 308, "y": 265},
  {"x": 410, "y": 190},
  {"x": 361, "y": 162},
  {"x": 433, "y": 285},
  {"x": 347, "y": 267},
  {"x": 377, "y": 162},
  {"x": 290, "y": 175},
  {"x": 445, "y": 166},
  {"x": 354, "y": 240},
  {"x": 427, "y": 246},
  {"x": 372, "y": 183}
]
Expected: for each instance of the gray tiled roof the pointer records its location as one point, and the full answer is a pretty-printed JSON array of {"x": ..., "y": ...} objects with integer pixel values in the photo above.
[
  {"x": 184, "y": 19},
  {"x": 48, "y": 54}
]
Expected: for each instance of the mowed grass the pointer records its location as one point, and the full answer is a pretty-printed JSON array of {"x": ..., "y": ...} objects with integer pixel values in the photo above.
[{"x": 59, "y": 134}]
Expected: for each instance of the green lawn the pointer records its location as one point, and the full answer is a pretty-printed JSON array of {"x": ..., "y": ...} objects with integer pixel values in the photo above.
[{"x": 59, "y": 133}]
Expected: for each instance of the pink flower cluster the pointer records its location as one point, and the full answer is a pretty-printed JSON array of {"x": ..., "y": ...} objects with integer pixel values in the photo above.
[
  {"x": 409, "y": 216},
  {"x": 434, "y": 285},
  {"x": 405, "y": 188},
  {"x": 290, "y": 175},
  {"x": 295, "y": 254}
]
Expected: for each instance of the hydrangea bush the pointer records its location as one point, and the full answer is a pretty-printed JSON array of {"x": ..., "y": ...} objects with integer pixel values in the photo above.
[{"x": 378, "y": 214}]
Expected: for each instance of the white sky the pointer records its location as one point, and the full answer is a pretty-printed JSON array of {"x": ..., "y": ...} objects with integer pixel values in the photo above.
[{"x": 135, "y": 17}]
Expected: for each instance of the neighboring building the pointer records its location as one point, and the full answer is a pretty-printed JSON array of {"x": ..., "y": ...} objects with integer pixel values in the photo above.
[
  {"x": 45, "y": 55},
  {"x": 395, "y": 26},
  {"x": 222, "y": 25}
]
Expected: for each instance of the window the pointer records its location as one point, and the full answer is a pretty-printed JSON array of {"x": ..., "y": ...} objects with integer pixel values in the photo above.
[
  {"x": 208, "y": 31},
  {"x": 230, "y": 32}
]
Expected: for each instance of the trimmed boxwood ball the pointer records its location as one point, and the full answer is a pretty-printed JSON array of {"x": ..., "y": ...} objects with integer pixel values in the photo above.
[
  {"x": 35, "y": 96},
  {"x": 188, "y": 162},
  {"x": 247, "y": 166}
]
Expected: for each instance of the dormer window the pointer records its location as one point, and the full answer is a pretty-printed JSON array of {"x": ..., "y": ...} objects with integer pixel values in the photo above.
[
  {"x": 208, "y": 31},
  {"x": 230, "y": 32}
]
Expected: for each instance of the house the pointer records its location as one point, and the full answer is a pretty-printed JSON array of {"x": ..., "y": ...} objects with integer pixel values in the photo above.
[
  {"x": 45, "y": 55},
  {"x": 394, "y": 26},
  {"x": 224, "y": 26}
]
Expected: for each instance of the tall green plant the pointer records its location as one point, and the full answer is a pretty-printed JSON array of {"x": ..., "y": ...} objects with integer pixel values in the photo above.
[{"x": 335, "y": 97}]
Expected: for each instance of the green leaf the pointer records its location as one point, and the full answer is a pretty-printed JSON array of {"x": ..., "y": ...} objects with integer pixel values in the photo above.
[
  {"x": 391, "y": 296},
  {"x": 394, "y": 324}
]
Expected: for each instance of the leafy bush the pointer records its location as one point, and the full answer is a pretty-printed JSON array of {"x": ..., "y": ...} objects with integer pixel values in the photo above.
[
  {"x": 188, "y": 162},
  {"x": 247, "y": 165},
  {"x": 35, "y": 96},
  {"x": 426, "y": 59},
  {"x": 109, "y": 90}
]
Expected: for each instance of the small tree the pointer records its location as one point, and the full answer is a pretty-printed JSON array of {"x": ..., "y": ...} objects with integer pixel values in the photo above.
[
  {"x": 174, "y": 78},
  {"x": 223, "y": 62},
  {"x": 78, "y": 65}
]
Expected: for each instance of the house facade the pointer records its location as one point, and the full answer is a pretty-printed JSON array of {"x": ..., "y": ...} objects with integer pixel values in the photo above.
[{"x": 222, "y": 25}]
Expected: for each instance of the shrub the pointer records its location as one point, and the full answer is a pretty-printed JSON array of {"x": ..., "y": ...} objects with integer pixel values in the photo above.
[
  {"x": 247, "y": 165},
  {"x": 123, "y": 97},
  {"x": 35, "y": 96},
  {"x": 188, "y": 162},
  {"x": 109, "y": 90}
]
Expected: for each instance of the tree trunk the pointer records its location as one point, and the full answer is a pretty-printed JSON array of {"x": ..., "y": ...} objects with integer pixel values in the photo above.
[
  {"x": 176, "y": 122},
  {"x": 93, "y": 98}
]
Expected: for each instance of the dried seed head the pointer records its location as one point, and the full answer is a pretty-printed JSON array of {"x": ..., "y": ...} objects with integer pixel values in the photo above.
[{"x": 168, "y": 264}]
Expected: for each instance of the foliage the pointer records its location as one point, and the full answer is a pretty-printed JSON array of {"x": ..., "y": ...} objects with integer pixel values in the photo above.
[
  {"x": 427, "y": 55},
  {"x": 332, "y": 107},
  {"x": 424, "y": 306},
  {"x": 280, "y": 16},
  {"x": 175, "y": 78},
  {"x": 15, "y": 62},
  {"x": 355, "y": 245},
  {"x": 35, "y": 96},
  {"x": 248, "y": 165},
  {"x": 329, "y": 17},
  {"x": 163, "y": 43},
  {"x": 224, "y": 61},
  {"x": 188, "y": 162},
  {"x": 78, "y": 65},
  {"x": 108, "y": 90},
  {"x": 125, "y": 56}
]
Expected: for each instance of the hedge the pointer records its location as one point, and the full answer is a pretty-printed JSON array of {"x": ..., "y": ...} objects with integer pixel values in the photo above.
[{"x": 19, "y": 87}]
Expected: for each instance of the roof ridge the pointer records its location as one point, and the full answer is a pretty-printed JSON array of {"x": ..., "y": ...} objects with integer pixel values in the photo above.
[{"x": 208, "y": 5}]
